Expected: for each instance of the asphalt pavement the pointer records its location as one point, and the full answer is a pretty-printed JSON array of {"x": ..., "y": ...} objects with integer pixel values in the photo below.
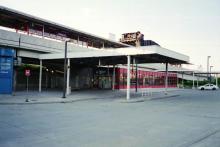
[{"x": 191, "y": 119}]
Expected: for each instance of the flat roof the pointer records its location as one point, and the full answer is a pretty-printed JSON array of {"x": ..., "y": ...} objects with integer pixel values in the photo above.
[
  {"x": 11, "y": 18},
  {"x": 145, "y": 54}
]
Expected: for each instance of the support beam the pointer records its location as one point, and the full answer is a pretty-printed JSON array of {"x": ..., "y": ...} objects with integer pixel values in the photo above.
[
  {"x": 46, "y": 79},
  {"x": 78, "y": 41},
  {"x": 43, "y": 31},
  {"x": 109, "y": 77},
  {"x": 99, "y": 62},
  {"x": 68, "y": 90},
  {"x": 136, "y": 77},
  {"x": 177, "y": 81},
  {"x": 65, "y": 71},
  {"x": 135, "y": 63},
  {"x": 182, "y": 80},
  {"x": 128, "y": 76},
  {"x": 208, "y": 57},
  {"x": 113, "y": 78},
  {"x": 197, "y": 81},
  {"x": 216, "y": 79},
  {"x": 193, "y": 81},
  {"x": 166, "y": 78},
  {"x": 40, "y": 75}
]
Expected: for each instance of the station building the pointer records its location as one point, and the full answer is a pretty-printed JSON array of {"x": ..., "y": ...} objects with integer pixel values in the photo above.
[{"x": 36, "y": 45}]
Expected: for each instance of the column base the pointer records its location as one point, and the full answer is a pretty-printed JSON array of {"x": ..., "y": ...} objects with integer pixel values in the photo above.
[{"x": 68, "y": 91}]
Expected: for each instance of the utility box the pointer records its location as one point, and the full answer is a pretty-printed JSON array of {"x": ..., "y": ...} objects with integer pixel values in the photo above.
[{"x": 6, "y": 70}]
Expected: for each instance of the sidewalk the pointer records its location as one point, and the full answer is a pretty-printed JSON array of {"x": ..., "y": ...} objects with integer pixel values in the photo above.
[{"x": 50, "y": 97}]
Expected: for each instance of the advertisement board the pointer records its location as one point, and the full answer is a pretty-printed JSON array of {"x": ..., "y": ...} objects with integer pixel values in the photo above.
[{"x": 6, "y": 70}]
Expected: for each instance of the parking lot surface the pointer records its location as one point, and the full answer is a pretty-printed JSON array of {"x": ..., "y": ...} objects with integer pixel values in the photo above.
[{"x": 190, "y": 120}]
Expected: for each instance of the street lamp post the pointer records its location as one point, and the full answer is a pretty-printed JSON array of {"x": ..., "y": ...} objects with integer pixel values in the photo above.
[
  {"x": 210, "y": 75},
  {"x": 208, "y": 57}
]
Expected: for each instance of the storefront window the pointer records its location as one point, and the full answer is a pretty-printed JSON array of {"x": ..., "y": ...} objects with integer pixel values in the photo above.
[{"x": 146, "y": 78}]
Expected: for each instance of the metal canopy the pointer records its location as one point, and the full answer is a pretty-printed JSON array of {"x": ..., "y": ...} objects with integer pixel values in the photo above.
[
  {"x": 207, "y": 73},
  {"x": 192, "y": 71},
  {"x": 146, "y": 54}
]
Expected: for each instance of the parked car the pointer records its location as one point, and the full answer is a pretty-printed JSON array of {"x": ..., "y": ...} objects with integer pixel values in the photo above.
[{"x": 208, "y": 87}]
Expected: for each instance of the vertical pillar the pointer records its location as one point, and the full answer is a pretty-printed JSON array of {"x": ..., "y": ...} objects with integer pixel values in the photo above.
[
  {"x": 19, "y": 41},
  {"x": 182, "y": 80},
  {"x": 113, "y": 78},
  {"x": 136, "y": 77},
  {"x": 99, "y": 62},
  {"x": 109, "y": 79},
  {"x": 28, "y": 29},
  {"x": 177, "y": 80},
  {"x": 43, "y": 31},
  {"x": 197, "y": 81},
  {"x": 216, "y": 80},
  {"x": 40, "y": 76},
  {"x": 135, "y": 63},
  {"x": 46, "y": 79},
  {"x": 68, "y": 90},
  {"x": 166, "y": 78},
  {"x": 78, "y": 41},
  {"x": 208, "y": 67},
  {"x": 65, "y": 71},
  {"x": 193, "y": 81},
  {"x": 103, "y": 45},
  {"x": 128, "y": 76}
]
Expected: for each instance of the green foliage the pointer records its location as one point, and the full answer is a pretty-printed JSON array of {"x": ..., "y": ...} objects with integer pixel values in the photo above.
[
  {"x": 189, "y": 83},
  {"x": 28, "y": 66}
]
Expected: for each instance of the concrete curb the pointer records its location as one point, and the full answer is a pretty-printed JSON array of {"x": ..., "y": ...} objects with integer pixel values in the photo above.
[
  {"x": 143, "y": 99},
  {"x": 47, "y": 102},
  {"x": 63, "y": 101},
  {"x": 133, "y": 100}
]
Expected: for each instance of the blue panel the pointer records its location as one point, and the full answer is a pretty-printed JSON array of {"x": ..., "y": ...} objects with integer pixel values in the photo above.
[
  {"x": 6, "y": 70},
  {"x": 6, "y": 67},
  {"x": 7, "y": 52},
  {"x": 5, "y": 85}
]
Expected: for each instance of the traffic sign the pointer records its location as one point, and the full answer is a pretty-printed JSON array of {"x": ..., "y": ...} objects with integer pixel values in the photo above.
[{"x": 27, "y": 72}]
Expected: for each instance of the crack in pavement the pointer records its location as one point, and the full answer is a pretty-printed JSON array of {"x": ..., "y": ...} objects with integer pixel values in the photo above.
[
  {"x": 200, "y": 139},
  {"x": 204, "y": 116}
]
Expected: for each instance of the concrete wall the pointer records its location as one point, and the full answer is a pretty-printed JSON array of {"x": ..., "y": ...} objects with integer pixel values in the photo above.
[
  {"x": 8, "y": 38},
  {"x": 33, "y": 43}
]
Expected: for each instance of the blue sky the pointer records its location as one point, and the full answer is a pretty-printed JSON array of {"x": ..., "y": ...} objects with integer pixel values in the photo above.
[{"x": 191, "y": 27}]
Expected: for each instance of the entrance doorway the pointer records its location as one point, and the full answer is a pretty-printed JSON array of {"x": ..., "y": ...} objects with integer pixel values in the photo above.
[{"x": 103, "y": 78}]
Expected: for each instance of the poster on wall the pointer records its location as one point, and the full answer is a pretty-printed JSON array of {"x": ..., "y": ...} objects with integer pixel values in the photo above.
[{"x": 5, "y": 66}]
